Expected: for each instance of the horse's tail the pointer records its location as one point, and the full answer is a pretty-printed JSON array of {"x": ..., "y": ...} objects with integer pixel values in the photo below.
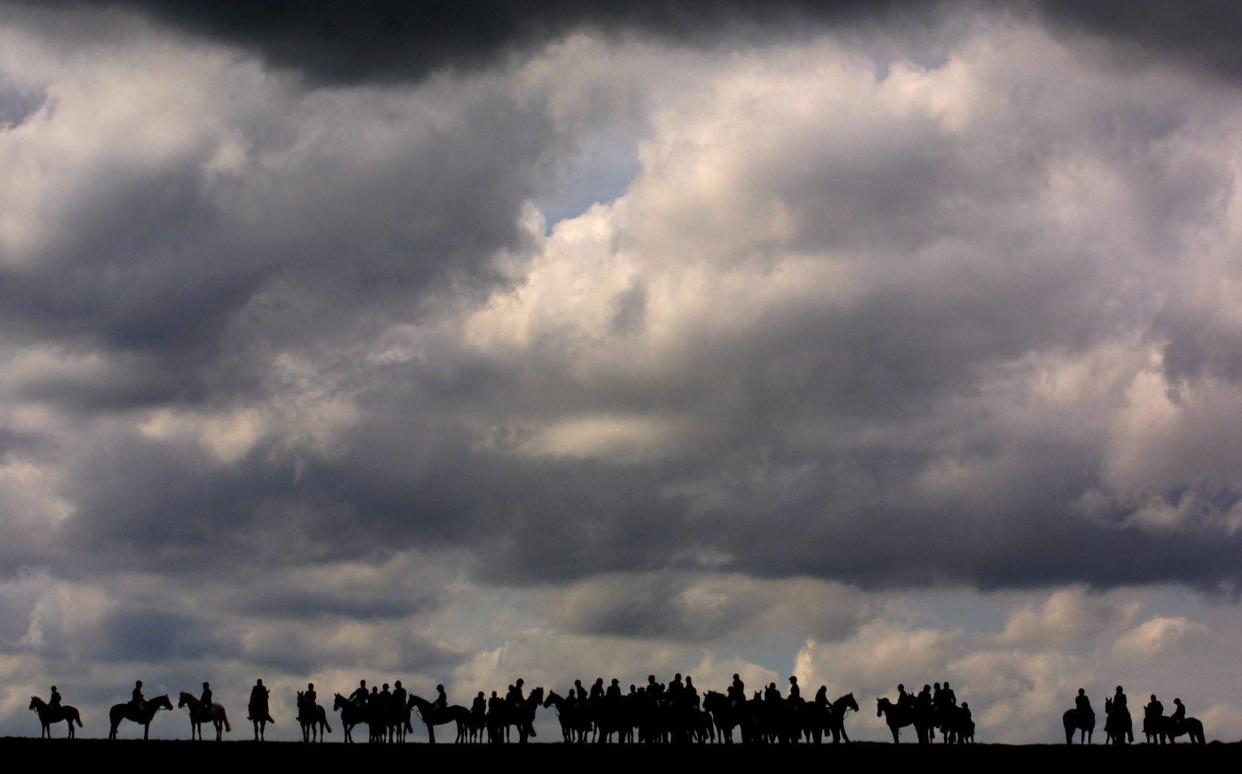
[
  {"x": 225, "y": 717},
  {"x": 77, "y": 718}
]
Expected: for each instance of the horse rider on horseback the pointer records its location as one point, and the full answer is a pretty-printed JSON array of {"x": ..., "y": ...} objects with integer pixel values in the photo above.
[
  {"x": 578, "y": 693},
  {"x": 309, "y": 697},
  {"x": 692, "y": 693},
  {"x": 597, "y": 690},
  {"x": 1179, "y": 715},
  {"x": 360, "y": 694},
  {"x": 737, "y": 691},
  {"x": 1082, "y": 703},
  {"x": 515, "y": 692},
  {"x": 204, "y": 701},
  {"x": 614, "y": 690},
  {"x": 821, "y": 696},
  {"x": 1154, "y": 708},
  {"x": 950, "y": 698},
  {"x": 795, "y": 693},
  {"x": 136, "y": 701},
  {"x": 904, "y": 699},
  {"x": 258, "y": 703},
  {"x": 440, "y": 705},
  {"x": 54, "y": 701}
]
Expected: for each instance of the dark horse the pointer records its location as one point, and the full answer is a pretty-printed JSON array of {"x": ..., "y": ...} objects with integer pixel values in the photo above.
[
  {"x": 49, "y": 715},
  {"x": 351, "y": 714},
  {"x": 199, "y": 715},
  {"x": 142, "y": 717},
  {"x": 1165, "y": 727},
  {"x": 836, "y": 716},
  {"x": 1117, "y": 724},
  {"x": 454, "y": 713},
  {"x": 575, "y": 723},
  {"x": 312, "y": 719},
  {"x": 1073, "y": 720},
  {"x": 898, "y": 717},
  {"x": 513, "y": 713}
]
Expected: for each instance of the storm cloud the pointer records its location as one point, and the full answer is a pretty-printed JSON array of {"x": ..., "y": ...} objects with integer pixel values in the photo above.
[{"x": 676, "y": 336}]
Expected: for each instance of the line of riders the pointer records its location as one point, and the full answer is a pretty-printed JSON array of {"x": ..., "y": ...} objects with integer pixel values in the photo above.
[
  {"x": 652, "y": 713},
  {"x": 1118, "y": 727}
]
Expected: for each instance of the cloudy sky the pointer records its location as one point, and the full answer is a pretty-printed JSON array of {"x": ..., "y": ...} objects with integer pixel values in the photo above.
[{"x": 875, "y": 344}]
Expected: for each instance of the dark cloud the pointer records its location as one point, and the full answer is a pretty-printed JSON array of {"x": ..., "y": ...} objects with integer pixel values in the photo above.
[
  {"x": 331, "y": 41},
  {"x": 335, "y": 42}
]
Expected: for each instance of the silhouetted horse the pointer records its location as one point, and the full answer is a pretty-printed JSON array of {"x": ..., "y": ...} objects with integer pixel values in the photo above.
[
  {"x": 724, "y": 714},
  {"x": 836, "y": 717},
  {"x": 1073, "y": 721},
  {"x": 49, "y": 715},
  {"x": 143, "y": 717},
  {"x": 1164, "y": 728},
  {"x": 454, "y": 713},
  {"x": 199, "y": 715},
  {"x": 955, "y": 724},
  {"x": 898, "y": 717},
  {"x": 312, "y": 718},
  {"x": 351, "y": 715},
  {"x": 1117, "y": 724},
  {"x": 573, "y": 717},
  {"x": 511, "y": 713}
]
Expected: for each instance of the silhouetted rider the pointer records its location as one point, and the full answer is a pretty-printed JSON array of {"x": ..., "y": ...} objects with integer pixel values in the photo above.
[
  {"x": 1179, "y": 715},
  {"x": 737, "y": 691},
  {"x": 205, "y": 699},
  {"x": 360, "y": 694},
  {"x": 579, "y": 693},
  {"x": 310, "y": 698},
  {"x": 136, "y": 700},
  {"x": 515, "y": 692},
  {"x": 597, "y": 689},
  {"x": 821, "y": 696},
  {"x": 258, "y": 702},
  {"x": 54, "y": 701},
  {"x": 441, "y": 703},
  {"x": 903, "y": 699},
  {"x": 795, "y": 693},
  {"x": 1119, "y": 706},
  {"x": 924, "y": 699},
  {"x": 1082, "y": 703},
  {"x": 692, "y": 693},
  {"x": 614, "y": 690},
  {"x": 950, "y": 698},
  {"x": 1154, "y": 708}
]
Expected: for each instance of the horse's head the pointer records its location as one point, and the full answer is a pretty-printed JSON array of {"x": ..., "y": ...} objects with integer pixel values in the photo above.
[
  {"x": 553, "y": 698},
  {"x": 35, "y": 703},
  {"x": 161, "y": 702},
  {"x": 185, "y": 699},
  {"x": 850, "y": 702},
  {"x": 882, "y": 705},
  {"x": 338, "y": 701},
  {"x": 536, "y": 696}
]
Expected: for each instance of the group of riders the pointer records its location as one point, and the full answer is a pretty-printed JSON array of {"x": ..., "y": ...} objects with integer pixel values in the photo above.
[
  {"x": 1118, "y": 727},
  {"x": 933, "y": 708},
  {"x": 652, "y": 713}
]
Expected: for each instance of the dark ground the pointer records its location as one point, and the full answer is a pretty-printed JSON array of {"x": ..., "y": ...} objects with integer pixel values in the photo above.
[{"x": 179, "y": 755}]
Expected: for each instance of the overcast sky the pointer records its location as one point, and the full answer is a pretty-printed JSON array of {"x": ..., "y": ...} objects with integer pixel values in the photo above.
[{"x": 867, "y": 342}]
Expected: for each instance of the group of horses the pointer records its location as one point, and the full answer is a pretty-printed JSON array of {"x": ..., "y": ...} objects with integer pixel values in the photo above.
[
  {"x": 1119, "y": 728},
  {"x": 953, "y": 722},
  {"x": 389, "y": 721},
  {"x": 646, "y": 717}
]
